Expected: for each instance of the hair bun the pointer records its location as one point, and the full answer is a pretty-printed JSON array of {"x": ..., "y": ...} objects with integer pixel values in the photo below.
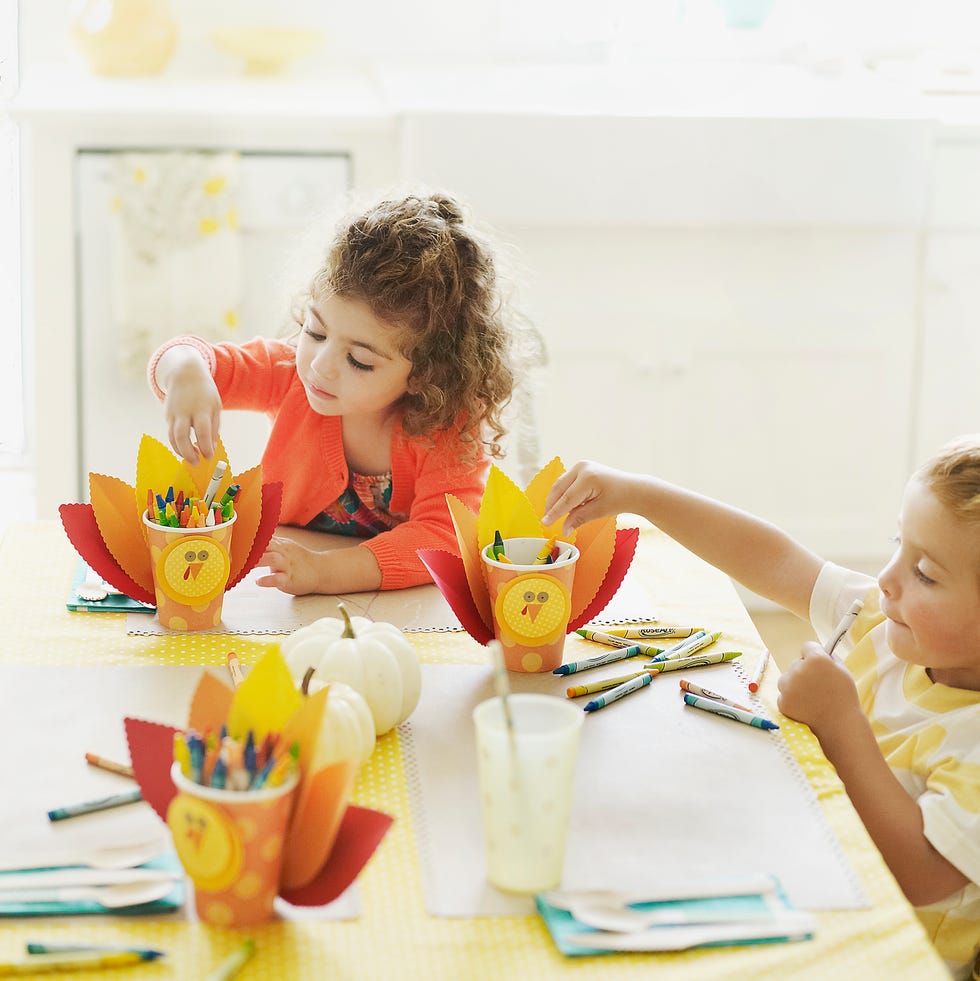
[{"x": 448, "y": 208}]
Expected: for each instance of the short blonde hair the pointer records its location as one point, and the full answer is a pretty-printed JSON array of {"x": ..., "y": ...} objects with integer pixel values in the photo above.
[{"x": 953, "y": 474}]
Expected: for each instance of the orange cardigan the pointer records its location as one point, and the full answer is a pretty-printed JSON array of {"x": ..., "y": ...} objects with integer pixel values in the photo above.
[{"x": 305, "y": 451}]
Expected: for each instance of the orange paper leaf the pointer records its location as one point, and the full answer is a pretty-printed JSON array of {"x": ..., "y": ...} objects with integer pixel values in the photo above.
[
  {"x": 464, "y": 521},
  {"x": 120, "y": 526},
  {"x": 596, "y": 542}
]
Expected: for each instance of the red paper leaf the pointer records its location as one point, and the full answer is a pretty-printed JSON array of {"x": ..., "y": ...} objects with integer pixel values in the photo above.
[
  {"x": 449, "y": 574},
  {"x": 83, "y": 532},
  {"x": 361, "y": 831},
  {"x": 271, "y": 504},
  {"x": 626, "y": 539},
  {"x": 151, "y": 752}
]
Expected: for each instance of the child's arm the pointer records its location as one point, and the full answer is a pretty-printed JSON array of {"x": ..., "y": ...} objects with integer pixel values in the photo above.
[
  {"x": 295, "y": 569},
  {"x": 818, "y": 691},
  {"x": 754, "y": 552},
  {"x": 191, "y": 401}
]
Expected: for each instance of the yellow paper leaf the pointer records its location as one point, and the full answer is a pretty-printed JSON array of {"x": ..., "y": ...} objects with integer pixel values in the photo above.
[
  {"x": 265, "y": 700},
  {"x": 505, "y": 508},
  {"x": 537, "y": 493},
  {"x": 157, "y": 468},
  {"x": 465, "y": 523},
  {"x": 121, "y": 526},
  {"x": 194, "y": 478}
]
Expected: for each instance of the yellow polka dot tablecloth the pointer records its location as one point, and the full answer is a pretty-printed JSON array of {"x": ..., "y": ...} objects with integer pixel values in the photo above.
[{"x": 393, "y": 937}]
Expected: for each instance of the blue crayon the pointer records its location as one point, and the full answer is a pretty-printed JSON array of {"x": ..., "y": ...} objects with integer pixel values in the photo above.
[
  {"x": 609, "y": 657},
  {"x": 729, "y": 712},
  {"x": 615, "y": 694},
  {"x": 91, "y": 806}
]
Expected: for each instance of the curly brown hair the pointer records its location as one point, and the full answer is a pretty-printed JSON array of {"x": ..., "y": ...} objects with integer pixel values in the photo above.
[{"x": 422, "y": 267}]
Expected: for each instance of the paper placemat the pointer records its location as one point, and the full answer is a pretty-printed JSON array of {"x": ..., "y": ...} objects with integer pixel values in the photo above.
[
  {"x": 252, "y": 609},
  {"x": 662, "y": 793},
  {"x": 60, "y": 713}
]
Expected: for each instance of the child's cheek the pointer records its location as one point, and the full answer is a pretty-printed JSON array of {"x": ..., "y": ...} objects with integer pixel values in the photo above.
[{"x": 937, "y": 631}]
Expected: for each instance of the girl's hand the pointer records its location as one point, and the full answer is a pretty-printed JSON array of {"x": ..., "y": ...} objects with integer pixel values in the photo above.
[
  {"x": 585, "y": 492},
  {"x": 818, "y": 690},
  {"x": 191, "y": 403},
  {"x": 293, "y": 568}
]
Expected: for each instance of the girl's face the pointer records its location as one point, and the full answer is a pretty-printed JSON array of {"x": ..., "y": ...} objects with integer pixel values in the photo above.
[
  {"x": 931, "y": 590},
  {"x": 348, "y": 360}
]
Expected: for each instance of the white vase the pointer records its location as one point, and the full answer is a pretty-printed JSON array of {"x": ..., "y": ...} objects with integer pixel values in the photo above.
[{"x": 124, "y": 37}]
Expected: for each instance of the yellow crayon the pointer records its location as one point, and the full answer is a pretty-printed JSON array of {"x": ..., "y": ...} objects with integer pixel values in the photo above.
[
  {"x": 182, "y": 754},
  {"x": 653, "y": 631},
  {"x": 576, "y": 690},
  {"x": 542, "y": 556},
  {"x": 87, "y": 960}
]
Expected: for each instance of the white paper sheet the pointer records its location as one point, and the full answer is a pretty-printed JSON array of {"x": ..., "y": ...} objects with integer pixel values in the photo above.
[
  {"x": 52, "y": 716},
  {"x": 252, "y": 609},
  {"x": 663, "y": 793}
]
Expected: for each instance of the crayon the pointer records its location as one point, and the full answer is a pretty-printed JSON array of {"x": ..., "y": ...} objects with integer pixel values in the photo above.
[
  {"x": 609, "y": 641},
  {"x": 694, "y": 661},
  {"x": 586, "y": 664},
  {"x": 497, "y": 549},
  {"x": 651, "y": 632},
  {"x": 577, "y": 690},
  {"x": 760, "y": 670},
  {"x": 90, "y": 806},
  {"x": 235, "y": 669},
  {"x": 692, "y": 645},
  {"x": 229, "y": 495},
  {"x": 694, "y": 689},
  {"x": 81, "y": 960},
  {"x": 123, "y": 769},
  {"x": 40, "y": 947},
  {"x": 233, "y": 963},
  {"x": 845, "y": 624},
  {"x": 543, "y": 557},
  {"x": 219, "y": 472},
  {"x": 627, "y": 688},
  {"x": 728, "y": 712}
]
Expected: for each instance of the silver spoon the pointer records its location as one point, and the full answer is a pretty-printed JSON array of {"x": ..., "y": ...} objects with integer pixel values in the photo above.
[
  {"x": 125, "y": 856},
  {"x": 114, "y": 896}
]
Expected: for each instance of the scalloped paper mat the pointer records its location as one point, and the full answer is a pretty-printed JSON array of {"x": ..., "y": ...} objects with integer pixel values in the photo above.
[
  {"x": 732, "y": 794},
  {"x": 252, "y": 609}
]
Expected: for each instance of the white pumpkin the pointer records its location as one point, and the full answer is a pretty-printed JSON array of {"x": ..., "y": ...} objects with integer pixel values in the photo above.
[
  {"x": 375, "y": 659},
  {"x": 347, "y": 730}
]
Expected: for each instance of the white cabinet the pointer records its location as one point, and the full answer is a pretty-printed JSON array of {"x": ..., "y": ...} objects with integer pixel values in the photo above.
[
  {"x": 276, "y": 195},
  {"x": 727, "y": 302},
  {"x": 770, "y": 368},
  {"x": 950, "y": 353},
  {"x": 62, "y": 116}
]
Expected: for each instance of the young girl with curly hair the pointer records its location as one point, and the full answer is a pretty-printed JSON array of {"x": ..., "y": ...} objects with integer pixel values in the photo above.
[{"x": 389, "y": 397}]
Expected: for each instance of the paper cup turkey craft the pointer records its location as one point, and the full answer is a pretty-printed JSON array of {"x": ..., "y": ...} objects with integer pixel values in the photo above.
[
  {"x": 322, "y": 841},
  {"x": 184, "y": 571},
  {"x": 522, "y": 594}
]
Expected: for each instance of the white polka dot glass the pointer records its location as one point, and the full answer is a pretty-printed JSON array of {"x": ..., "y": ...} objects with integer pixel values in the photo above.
[{"x": 527, "y": 774}]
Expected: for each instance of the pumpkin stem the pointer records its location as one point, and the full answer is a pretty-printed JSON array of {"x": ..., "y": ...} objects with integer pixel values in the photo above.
[
  {"x": 348, "y": 626},
  {"x": 307, "y": 678}
]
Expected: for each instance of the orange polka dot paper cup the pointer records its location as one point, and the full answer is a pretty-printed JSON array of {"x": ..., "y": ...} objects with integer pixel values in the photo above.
[
  {"x": 230, "y": 843},
  {"x": 531, "y": 603},
  {"x": 190, "y": 571}
]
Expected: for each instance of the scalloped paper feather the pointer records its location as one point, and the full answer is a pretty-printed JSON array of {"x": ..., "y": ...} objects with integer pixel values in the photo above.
[
  {"x": 121, "y": 527},
  {"x": 505, "y": 508},
  {"x": 464, "y": 521}
]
